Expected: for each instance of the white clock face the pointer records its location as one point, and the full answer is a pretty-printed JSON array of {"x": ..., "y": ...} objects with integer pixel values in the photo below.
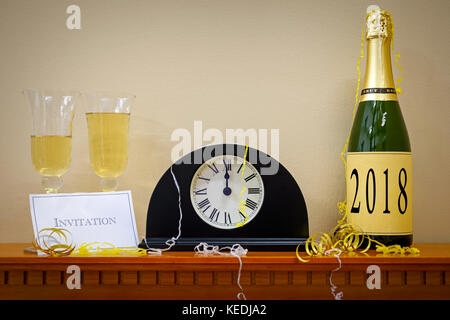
[{"x": 225, "y": 193}]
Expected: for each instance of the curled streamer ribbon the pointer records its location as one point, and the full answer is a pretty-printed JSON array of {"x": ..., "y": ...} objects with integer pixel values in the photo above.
[
  {"x": 54, "y": 242},
  {"x": 57, "y": 242},
  {"x": 172, "y": 241},
  {"x": 242, "y": 202},
  {"x": 399, "y": 79},
  {"x": 339, "y": 295},
  {"x": 235, "y": 250}
]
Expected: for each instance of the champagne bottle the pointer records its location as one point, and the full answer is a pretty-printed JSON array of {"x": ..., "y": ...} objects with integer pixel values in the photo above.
[{"x": 379, "y": 160}]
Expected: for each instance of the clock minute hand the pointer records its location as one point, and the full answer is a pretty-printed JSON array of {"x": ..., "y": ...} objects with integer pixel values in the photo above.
[{"x": 226, "y": 190}]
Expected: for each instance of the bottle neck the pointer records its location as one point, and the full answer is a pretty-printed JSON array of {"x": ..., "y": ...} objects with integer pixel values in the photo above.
[{"x": 378, "y": 81}]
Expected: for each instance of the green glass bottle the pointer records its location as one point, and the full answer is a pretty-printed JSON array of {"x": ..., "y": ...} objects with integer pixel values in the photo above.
[{"x": 379, "y": 161}]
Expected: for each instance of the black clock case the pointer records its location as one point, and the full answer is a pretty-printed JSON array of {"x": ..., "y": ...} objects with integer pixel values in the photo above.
[{"x": 280, "y": 225}]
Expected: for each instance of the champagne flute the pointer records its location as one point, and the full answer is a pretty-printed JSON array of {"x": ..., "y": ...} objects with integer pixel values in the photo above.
[
  {"x": 51, "y": 137},
  {"x": 108, "y": 116}
]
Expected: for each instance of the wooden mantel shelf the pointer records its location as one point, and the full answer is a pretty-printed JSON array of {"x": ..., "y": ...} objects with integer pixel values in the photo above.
[{"x": 184, "y": 275}]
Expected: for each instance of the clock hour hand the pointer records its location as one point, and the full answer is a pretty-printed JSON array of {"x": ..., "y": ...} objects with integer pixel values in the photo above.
[{"x": 227, "y": 189}]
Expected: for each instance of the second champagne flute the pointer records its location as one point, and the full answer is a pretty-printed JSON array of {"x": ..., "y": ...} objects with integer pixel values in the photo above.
[{"x": 108, "y": 117}]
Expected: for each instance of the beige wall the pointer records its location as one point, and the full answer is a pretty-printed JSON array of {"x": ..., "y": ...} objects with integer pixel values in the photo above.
[{"x": 270, "y": 64}]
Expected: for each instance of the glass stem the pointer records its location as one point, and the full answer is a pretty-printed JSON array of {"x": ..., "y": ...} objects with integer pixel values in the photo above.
[
  {"x": 52, "y": 184},
  {"x": 108, "y": 184}
]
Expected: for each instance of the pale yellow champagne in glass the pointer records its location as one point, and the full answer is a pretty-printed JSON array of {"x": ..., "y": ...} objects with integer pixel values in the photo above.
[
  {"x": 51, "y": 154},
  {"x": 108, "y": 120},
  {"x": 51, "y": 138},
  {"x": 108, "y": 143}
]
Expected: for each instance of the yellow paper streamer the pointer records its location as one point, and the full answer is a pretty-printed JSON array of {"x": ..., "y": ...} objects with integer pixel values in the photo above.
[
  {"x": 399, "y": 79},
  {"x": 347, "y": 237},
  {"x": 106, "y": 249},
  {"x": 397, "y": 250},
  {"x": 242, "y": 202},
  {"x": 62, "y": 247},
  {"x": 65, "y": 247}
]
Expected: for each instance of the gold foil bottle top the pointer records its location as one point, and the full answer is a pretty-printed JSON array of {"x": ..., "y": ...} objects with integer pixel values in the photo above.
[{"x": 378, "y": 23}]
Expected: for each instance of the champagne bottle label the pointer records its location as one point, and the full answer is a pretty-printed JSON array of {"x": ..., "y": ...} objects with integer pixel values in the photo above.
[{"x": 379, "y": 192}]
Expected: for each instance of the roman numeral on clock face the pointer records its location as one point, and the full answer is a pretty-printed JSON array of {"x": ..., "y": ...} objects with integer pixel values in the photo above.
[
  {"x": 201, "y": 192},
  {"x": 227, "y": 218},
  {"x": 254, "y": 190},
  {"x": 250, "y": 204},
  {"x": 203, "y": 203},
  {"x": 214, "y": 215},
  {"x": 250, "y": 177},
  {"x": 214, "y": 168},
  {"x": 227, "y": 164}
]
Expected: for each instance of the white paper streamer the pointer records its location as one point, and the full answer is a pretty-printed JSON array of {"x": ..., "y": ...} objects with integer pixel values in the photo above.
[
  {"x": 202, "y": 248},
  {"x": 236, "y": 251},
  {"x": 339, "y": 295},
  {"x": 172, "y": 241}
]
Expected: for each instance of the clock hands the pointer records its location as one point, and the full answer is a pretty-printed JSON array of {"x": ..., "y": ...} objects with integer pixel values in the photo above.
[
  {"x": 230, "y": 204},
  {"x": 227, "y": 189}
]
